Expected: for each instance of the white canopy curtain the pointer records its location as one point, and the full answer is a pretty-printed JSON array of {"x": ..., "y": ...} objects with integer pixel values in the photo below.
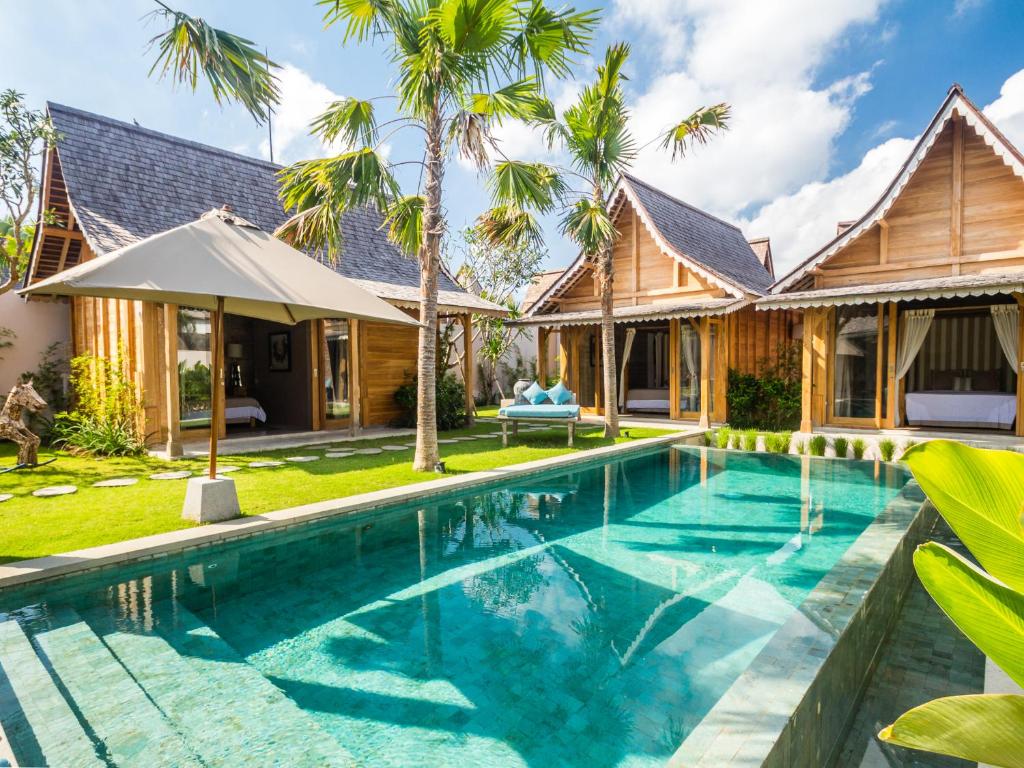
[
  {"x": 1006, "y": 319},
  {"x": 689, "y": 342},
  {"x": 914, "y": 326},
  {"x": 626, "y": 350}
]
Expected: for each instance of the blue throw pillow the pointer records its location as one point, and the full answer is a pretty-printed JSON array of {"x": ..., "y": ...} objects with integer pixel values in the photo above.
[
  {"x": 559, "y": 394},
  {"x": 535, "y": 394}
]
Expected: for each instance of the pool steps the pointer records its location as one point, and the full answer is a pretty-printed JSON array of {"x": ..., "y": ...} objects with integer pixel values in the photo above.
[
  {"x": 149, "y": 698},
  {"x": 38, "y": 714}
]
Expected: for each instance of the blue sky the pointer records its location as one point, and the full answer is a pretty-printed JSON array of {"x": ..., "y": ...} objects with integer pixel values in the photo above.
[{"x": 827, "y": 94}]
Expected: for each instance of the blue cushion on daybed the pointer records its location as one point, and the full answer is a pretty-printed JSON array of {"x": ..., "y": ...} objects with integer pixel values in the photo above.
[
  {"x": 535, "y": 394},
  {"x": 559, "y": 395},
  {"x": 540, "y": 411}
]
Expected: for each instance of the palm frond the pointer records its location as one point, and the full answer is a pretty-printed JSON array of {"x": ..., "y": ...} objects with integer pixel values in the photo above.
[
  {"x": 404, "y": 220},
  {"x": 550, "y": 39},
  {"x": 235, "y": 70},
  {"x": 519, "y": 100},
  {"x": 473, "y": 27},
  {"x": 588, "y": 224},
  {"x": 351, "y": 120},
  {"x": 471, "y": 132},
  {"x": 526, "y": 185},
  {"x": 698, "y": 128},
  {"x": 508, "y": 225},
  {"x": 362, "y": 18}
]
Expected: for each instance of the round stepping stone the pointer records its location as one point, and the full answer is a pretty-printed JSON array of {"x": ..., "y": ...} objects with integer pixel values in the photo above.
[
  {"x": 395, "y": 447},
  {"x": 55, "y": 490},
  {"x": 410, "y": 445},
  {"x": 227, "y": 470},
  {"x": 447, "y": 442},
  {"x": 338, "y": 454},
  {"x": 6, "y": 497},
  {"x": 369, "y": 451},
  {"x": 116, "y": 482},
  {"x": 262, "y": 464},
  {"x": 301, "y": 459},
  {"x": 181, "y": 475}
]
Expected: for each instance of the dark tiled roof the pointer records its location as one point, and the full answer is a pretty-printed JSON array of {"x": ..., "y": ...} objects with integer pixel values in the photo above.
[
  {"x": 127, "y": 183},
  {"x": 699, "y": 236}
]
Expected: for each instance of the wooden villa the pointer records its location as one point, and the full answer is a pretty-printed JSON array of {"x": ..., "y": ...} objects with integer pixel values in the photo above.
[
  {"x": 911, "y": 314},
  {"x": 110, "y": 184},
  {"x": 684, "y": 288}
]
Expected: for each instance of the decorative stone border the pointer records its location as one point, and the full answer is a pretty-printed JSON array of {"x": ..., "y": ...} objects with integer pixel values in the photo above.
[
  {"x": 794, "y": 704},
  {"x": 159, "y": 545}
]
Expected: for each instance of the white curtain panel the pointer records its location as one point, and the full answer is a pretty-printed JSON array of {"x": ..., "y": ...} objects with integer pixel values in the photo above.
[
  {"x": 1006, "y": 319},
  {"x": 914, "y": 326},
  {"x": 630, "y": 335}
]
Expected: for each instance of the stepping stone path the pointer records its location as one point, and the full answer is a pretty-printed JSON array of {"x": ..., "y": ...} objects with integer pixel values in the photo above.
[
  {"x": 411, "y": 445},
  {"x": 447, "y": 442},
  {"x": 338, "y": 454},
  {"x": 170, "y": 475},
  {"x": 395, "y": 447},
  {"x": 369, "y": 451},
  {"x": 262, "y": 464},
  {"x": 116, "y": 482},
  {"x": 301, "y": 459},
  {"x": 55, "y": 490},
  {"x": 6, "y": 497},
  {"x": 227, "y": 470}
]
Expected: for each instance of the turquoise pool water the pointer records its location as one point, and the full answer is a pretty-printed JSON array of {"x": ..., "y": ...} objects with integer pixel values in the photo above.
[{"x": 587, "y": 617}]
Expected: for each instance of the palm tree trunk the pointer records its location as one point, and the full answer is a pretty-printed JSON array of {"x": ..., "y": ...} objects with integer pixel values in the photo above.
[
  {"x": 605, "y": 279},
  {"x": 426, "y": 381}
]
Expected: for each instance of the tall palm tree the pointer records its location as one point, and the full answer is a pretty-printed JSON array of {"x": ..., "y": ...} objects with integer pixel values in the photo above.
[
  {"x": 595, "y": 132},
  {"x": 463, "y": 66}
]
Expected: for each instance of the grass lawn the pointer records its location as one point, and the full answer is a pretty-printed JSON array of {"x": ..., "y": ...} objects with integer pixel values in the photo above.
[{"x": 34, "y": 527}]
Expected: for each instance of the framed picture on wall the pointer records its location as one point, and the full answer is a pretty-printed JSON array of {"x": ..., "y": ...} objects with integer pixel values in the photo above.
[{"x": 281, "y": 351}]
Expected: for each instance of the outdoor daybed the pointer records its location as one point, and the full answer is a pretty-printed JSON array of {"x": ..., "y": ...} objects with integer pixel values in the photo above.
[{"x": 556, "y": 405}]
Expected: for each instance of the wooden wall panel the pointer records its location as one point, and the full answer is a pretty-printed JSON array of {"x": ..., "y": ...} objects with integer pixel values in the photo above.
[
  {"x": 755, "y": 336},
  {"x": 993, "y": 208},
  {"x": 388, "y": 362}
]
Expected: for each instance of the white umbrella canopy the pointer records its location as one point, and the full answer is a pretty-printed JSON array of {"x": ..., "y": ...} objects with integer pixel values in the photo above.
[
  {"x": 222, "y": 256},
  {"x": 224, "y": 264}
]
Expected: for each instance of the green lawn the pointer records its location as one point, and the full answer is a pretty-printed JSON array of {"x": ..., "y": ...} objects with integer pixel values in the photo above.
[{"x": 33, "y": 527}]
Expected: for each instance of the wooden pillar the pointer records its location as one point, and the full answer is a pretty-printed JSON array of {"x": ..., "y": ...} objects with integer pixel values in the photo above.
[
  {"x": 542, "y": 356},
  {"x": 564, "y": 342},
  {"x": 216, "y": 381},
  {"x": 890, "y": 406},
  {"x": 355, "y": 363},
  {"x": 468, "y": 366},
  {"x": 170, "y": 345},
  {"x": 1020, "y": 364},
  {"x": 807, "y": 373},
  {"x": 318, "y": 394},
  {"x": 880, "y": 367},
  {"x": 706, "y": 406},
  {"x": 674, "y": 368},
  {"x": 599, "y": 371}
]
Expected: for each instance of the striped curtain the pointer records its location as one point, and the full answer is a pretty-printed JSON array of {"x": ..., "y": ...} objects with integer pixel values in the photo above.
[{"x": 957, "y": 343}]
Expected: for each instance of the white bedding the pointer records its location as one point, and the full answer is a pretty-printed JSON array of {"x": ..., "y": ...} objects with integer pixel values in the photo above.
[
  {"x": 962, "y": 409},
  {"x": 647, "y": 399},
  {"x": 241, "y": 409}
]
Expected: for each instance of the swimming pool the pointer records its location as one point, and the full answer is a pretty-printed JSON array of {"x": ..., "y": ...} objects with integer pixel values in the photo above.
[{"x": 589, "y": 616}]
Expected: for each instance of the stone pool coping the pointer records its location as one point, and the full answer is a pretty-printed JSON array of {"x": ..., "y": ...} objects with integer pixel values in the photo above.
[
  {"x": 795, "y": 702},
  {"x": 23, "y": 572}
]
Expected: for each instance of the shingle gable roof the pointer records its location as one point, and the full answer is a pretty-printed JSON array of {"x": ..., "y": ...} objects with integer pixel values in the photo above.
[
  {"x": 705, "y": 239},
  {"x": 126, "y": 183}
]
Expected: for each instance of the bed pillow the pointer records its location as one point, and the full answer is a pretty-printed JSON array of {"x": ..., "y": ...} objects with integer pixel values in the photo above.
[
  {"x": 535, "y": 394},
  {"x": 985, "y": 381},
  {"x": 942, "y": 380},
  {"x": 559, "y": 394}
]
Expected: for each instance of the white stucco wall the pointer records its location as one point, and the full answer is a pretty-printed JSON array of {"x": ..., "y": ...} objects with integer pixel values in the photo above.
[{"x": 38, "y": 324}]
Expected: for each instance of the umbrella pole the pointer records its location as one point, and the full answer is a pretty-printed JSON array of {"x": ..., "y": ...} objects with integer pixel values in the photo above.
[{"x": 216, "y": 384}]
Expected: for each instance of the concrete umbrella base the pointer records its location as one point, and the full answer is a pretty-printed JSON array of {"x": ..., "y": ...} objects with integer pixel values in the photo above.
[{"x": 210, "y": 501}]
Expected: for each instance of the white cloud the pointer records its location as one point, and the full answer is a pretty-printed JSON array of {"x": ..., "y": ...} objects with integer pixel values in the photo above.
[
  {"x": 1007, "y": 111},
  {"x": 302, "y": 100}
]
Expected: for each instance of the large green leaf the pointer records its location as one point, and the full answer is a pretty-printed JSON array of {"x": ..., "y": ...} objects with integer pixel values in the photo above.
[
  {"x": 988, "y": 612},
  {"x": 986, "y": 729},
  {"x": 980, "y": 494}
]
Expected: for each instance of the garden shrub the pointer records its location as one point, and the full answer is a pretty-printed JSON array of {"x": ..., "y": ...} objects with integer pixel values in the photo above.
[
  {"x": 778, "y": 442},
  {"x": 818, "y": 445},
  {"x": 750, "y": 440},
  {"x": 736, "y": 440},
  {"x": 906, "y": 447},
  {"x": 104, "y": 420},
  {"x": 723, "y": 437},
  {"x": 886, "y": 449},
  {"x": 707, "y": 439},
  {"x": 841, "y": 446},
  {"x": 801, "y": 447},
  {"x": 770, "y": 401},
  {"x": 451, "y": 403},
  {"x": 859, "y": 446}
]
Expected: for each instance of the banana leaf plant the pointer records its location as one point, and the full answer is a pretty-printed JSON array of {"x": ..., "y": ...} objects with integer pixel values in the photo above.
[{"x": 980, "y": 494}]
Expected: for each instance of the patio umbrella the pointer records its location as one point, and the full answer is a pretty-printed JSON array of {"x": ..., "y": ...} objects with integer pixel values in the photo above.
[{"x": 222, "y": 263}]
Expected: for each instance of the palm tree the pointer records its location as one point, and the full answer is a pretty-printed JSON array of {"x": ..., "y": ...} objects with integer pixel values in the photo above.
[
  {"x": 595, "y": 132},
  {"x": 463, "y": 66}
]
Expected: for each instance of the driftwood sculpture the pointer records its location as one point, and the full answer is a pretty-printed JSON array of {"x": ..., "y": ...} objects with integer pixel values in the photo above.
[{"x": 23, "y": 397}]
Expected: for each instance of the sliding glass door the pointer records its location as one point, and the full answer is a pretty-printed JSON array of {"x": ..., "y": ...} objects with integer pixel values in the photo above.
[
  {"x": 336, "y": 353},
  {"x": 857, "y": 372}
]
